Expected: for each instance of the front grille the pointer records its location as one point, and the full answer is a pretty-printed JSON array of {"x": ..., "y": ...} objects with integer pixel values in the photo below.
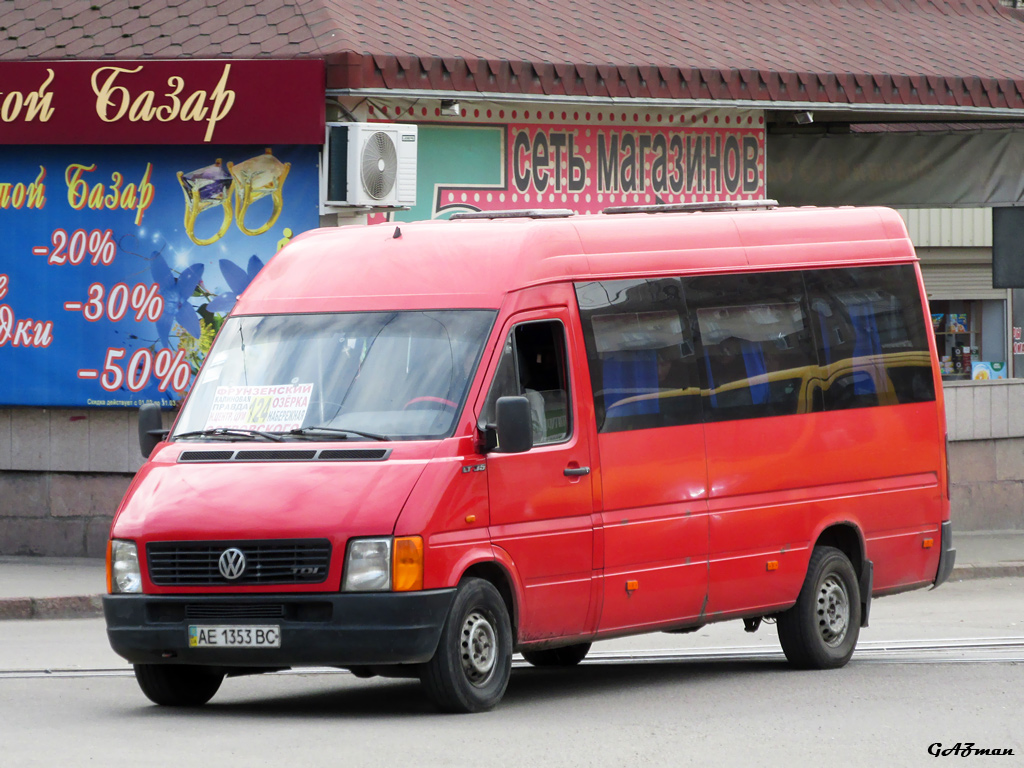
[
  {"x": 271, "y": 455},
  {"x": 325, "y": 454},
  {"x": 366, "y": 454},
  {"x": 205, "y": 455},
  {"x": 193, "y": 564},
  {"x": 234, "y": 611},
  {"x": 174, "y": 610}
]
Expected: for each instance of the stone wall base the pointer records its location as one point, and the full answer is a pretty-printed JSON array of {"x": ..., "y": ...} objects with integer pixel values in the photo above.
[
  {"x": 58, "y": 514},
  {"x": 68, "y": 514},
  {"x": 987, "y": 484}
]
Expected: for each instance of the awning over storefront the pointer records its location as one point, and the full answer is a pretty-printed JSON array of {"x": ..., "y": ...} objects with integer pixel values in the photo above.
[{"x": 930, "y": 170}]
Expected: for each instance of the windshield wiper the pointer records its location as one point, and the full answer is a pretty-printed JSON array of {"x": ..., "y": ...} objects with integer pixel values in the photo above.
[
  {"x": 340, "y": 434},
  {"x": 231, "y": 432}
]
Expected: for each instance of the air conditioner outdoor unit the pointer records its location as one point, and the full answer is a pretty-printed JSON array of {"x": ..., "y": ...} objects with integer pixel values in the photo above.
[{"x": 370, "y": 165}]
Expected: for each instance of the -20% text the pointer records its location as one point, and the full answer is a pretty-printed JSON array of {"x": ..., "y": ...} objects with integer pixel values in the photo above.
[
  {"x": 170, "y": 368},
  {"x": 143, "y": 300},
  {"x": 97, "y": 246}
]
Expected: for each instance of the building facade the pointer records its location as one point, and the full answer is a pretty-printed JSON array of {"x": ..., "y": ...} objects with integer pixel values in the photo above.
[{"x": 133, "y": 142}]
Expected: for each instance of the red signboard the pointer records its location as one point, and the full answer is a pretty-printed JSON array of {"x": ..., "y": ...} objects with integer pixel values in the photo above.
[
  {"x": 262, "y": 101},
  {"x": 590, "y": 167}
]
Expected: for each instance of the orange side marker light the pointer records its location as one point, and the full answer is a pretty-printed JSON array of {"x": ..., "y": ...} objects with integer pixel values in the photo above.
[
  {"x": 632, "y": 585},
  {"x": 928, "y": 543},
  {"x": 773, "y": 565},
  {"x": 407, "y": 564},
  {"x": 110, "y": 572}
]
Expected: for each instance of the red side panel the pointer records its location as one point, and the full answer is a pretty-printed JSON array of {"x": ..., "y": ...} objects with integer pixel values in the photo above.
[
  {"x": 655, "y": 523},
  {"x": 776, "y": 483}
]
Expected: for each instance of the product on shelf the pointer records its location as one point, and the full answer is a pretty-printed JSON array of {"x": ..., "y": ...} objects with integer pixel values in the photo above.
[{"x": 956, "y": 322}]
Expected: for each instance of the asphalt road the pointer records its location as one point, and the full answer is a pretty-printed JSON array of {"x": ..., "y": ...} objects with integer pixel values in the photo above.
[{"x": 934, "y": 667}]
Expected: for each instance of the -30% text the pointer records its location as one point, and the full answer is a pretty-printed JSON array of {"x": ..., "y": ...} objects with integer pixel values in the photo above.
[{"x": 143, "y": 300}]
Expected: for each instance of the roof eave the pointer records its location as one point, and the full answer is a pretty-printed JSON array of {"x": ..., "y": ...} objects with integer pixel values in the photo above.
[
  {"x": 835, "y": 112},
  {"x": 418, "y": 76}
]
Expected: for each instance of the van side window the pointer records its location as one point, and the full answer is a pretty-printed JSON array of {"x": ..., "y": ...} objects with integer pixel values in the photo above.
[
  {"x": 758, "y": 354},
  {"x": 871, "y": 336},
  {"x": 640, "y": 352},
  {"x": 533, "y": 364}
]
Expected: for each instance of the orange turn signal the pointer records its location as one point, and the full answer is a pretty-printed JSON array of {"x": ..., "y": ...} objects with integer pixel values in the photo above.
[
  {"x": 928, "y": 543},
  {"x": 407, "y": 564},
  {"x": 632, "y": 585},
  {"x": 773, "y": 565},
  {"x": 110, "y": 573}
]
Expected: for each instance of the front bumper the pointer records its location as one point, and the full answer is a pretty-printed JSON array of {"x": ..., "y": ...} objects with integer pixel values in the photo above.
[{"x": 316, "y": 630}]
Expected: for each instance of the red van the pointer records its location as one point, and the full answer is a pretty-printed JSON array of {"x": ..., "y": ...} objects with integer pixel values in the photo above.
[{"x": 417, "y": 449}]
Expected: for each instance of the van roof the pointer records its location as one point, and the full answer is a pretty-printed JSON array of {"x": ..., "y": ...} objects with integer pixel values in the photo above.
[{"x": 475, "y": 263}]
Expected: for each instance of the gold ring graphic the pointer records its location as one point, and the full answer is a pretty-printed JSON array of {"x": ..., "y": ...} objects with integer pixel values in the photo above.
[
  {"x": 206, "y": 188},
  {"x": 255, "y": 178}
]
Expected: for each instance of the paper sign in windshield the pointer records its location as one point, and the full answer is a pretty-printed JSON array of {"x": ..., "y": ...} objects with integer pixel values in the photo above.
[{"x": 267, "y": 409}]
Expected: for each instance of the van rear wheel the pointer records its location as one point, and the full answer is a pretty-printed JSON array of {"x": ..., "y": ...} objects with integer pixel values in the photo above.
[
  {"x": 566, "y": 656},
  {"x": 473, "y": 661},
  {"x": 821, "y": 630},
  {"x": 178, "y": 685}
]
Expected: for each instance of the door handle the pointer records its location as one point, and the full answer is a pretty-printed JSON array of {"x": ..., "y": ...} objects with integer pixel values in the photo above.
[{"x": 576, "y": 471}]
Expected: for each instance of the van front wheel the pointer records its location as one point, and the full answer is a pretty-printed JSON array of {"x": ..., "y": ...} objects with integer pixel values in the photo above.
[
  {"x": 821, "y": 630},
  {"x": 178, "y": 685},
  {"x": 473, "y": 661}
]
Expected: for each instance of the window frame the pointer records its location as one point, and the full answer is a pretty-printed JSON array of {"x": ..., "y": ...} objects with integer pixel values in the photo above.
[{"x": 561, "y": 350}]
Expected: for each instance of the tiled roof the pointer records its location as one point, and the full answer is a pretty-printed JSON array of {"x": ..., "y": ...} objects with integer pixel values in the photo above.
[{"x": 964, "y": 53}]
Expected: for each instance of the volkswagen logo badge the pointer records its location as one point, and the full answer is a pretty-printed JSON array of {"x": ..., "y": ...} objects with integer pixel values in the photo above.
[{"x": 231, "y": 563}]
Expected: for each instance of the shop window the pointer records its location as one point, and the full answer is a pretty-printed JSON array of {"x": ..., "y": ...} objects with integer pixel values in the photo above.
[{"x": 971, "y": 338}]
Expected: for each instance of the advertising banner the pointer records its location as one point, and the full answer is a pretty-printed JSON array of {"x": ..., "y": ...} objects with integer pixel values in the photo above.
[
  {"x": 589, "y": 168},
  {"x": 162, "y": 102},
  {"x": 118, "y": 265},
  {"x": 615, "y": 159}
]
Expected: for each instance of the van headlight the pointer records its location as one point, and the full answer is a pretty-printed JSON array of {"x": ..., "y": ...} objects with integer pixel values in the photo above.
[
  {"x": 125, "y": 574},
  {"x": 368, "y": 565}
]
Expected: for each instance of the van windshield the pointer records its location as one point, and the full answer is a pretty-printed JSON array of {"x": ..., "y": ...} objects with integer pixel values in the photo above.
[{"x": 354, "y": 376}]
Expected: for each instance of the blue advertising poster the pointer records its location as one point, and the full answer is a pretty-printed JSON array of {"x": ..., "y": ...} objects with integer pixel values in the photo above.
[{"x": 118, "y": 264}]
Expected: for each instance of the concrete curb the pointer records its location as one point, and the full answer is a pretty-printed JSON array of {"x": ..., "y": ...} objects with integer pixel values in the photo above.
[
  {"x": 1000, "y": 571},
  {"x": 91, "y": 606},
  {"x": 74, "y": 607}
]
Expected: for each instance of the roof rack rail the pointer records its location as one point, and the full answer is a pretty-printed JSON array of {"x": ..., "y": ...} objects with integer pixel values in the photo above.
[
  {"x": 529, "y": 213},
  {"x": 720, "y": 205}
]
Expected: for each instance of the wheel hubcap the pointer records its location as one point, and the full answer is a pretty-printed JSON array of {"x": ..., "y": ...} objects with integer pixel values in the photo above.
[
  {"x": 479, "y": 648},
  {"x": 833, "y": 611}
]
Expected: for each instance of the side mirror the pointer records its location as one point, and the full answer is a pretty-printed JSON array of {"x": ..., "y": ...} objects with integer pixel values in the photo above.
[
  {"x": 151, "y": 428},
  {"x": 515, "y": 426}
]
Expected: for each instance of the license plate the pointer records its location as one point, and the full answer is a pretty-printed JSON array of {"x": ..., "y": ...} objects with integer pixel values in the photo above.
[{"x": 234, "y": 636}]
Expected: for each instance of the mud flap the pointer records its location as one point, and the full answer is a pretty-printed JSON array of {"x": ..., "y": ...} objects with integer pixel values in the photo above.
[
  {"x": 867, "y": 578},
  {"x": 947, "y": 556}
]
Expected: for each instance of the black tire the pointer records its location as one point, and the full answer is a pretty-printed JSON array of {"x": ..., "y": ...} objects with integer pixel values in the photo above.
[
  {"x": 178, "y": 685},
  {"x": 473, "y": 661},
  {"x": 821, "y": 630},
  {"x": 566, "y": 656}
]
